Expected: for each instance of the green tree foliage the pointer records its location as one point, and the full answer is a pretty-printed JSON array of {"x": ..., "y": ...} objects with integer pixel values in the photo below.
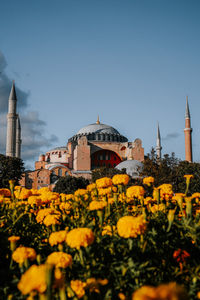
[
  {"x": 171, "y": 170},
  {"x": 105, "y": 172},
  {"x": 70, "y": 184},
  {"x": 10, "y": 168}
]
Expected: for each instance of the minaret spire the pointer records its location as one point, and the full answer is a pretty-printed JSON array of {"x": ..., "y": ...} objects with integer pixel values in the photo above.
[
  {"x": 11, "y": 123},
  {"x": 18, "y": 138},
  {"x": 188, "y": 134},
  {"x": 158, "y": 143}
]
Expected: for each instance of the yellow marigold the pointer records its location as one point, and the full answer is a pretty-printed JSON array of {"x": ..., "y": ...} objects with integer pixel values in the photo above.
[
  {"x": 129, "y": 226},
  {"x": 80, "y": 237},
  {"x": 51, "y": 220},
  {"x": 91, "y": 187},
  {"x": 35, "y": 192},
  {"x": 147, "y": 200},
  {"x": 34, "y": 200},
  {"x": 120, "y": 179},
  {"x": 135, "y": 191},
  {"x": 14, "y": 238},
  {"x": 22, "y": 253},
  {"x": 59, "y": 259},
  {"x": 49, "y": 197},
  {"x": 196, "y": 195},
  {"x": 111, "y": 200},
  {"x": 148, "y": 180},
  {"x": 42, "y": 213},
  {"x": 159, "y": 207},
  {"x": 65, "y": 206},
  {"x": 96, "y": 205},
  {"x": 188, "y": 177},
  {"x": 108, "y": 230},
  {"x": 57, "y": 237},
  {"x": 78, "y": 287},
  {"x": 34, "y": 279},
  {"x": 22, "y": 193},
  {"x": 93, "y": 284},
  {"x": 105, "y": 191},
  {"x": 104, "y": 182},
  {"x": 170, "y": 291},
  {"x": 44, "y": 190},
  {"x": 66, "y": 197},
  {"x": 5, "y": 192},
  {"x": 80, "y": 192},
  {"x": 165, "y": 191}
]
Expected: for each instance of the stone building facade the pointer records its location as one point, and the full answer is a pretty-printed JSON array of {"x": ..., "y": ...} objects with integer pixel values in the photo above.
[{"x": 94, "y": 146}]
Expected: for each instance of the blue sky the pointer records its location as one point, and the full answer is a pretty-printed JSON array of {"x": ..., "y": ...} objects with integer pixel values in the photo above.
[{"x": 131, "y": 62}]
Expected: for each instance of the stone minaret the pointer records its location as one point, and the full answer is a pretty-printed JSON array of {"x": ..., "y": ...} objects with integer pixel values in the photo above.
[
  {"x": 11, "y": 123},
  {"x": 18, "y": 138},
  {"x": 188, "y": 134},
  {"x": 158, "y": 143}
]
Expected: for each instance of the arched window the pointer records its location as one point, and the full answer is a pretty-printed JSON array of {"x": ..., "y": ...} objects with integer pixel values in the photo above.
[{"x": 59, "y": 172}]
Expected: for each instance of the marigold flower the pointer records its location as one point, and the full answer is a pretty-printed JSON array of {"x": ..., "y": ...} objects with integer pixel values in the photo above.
[
  {"x": 135, "y": 191},
  {"x": 59, "y": 259},
  {"x": 80, "y": 237},
  {"x": 96, "y": 205},
  {"x": 165, "y": 191},
  {"x": 78, "y": 287},
  {"x": 159, "y": 207},
  {"x": 34, "y": 200},
  {"x": 42, "y": 213},
  {"x": 22, "y": 193},
  {"x": 148, "y": 180},
  {"x": 91, "y": 187},
  {"x": 66, "y": 206},
  {"x": 104, "y": 182},
  {"x": 5, "y": 192},
  {"x": 120, "y": 179},
  {"x": 34, "y": 279},
  {"x": 131, "y": 227},
  {"x": 51, "y": 220},
  {"x": 105, "y": 191},
  {"x": 57, "y": 237},
  {"x": 170, "y": 291},
  {"x": 80, "y": 192},
  {"x": 14, "y": 238},
  {"x": 23, "y": 253}
]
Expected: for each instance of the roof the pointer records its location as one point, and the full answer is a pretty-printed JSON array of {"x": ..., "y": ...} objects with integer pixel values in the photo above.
[
  {"x": 133, "y": 167},
  {"x": 97, "y": 128},
  {"x": 13, "y": 95}
]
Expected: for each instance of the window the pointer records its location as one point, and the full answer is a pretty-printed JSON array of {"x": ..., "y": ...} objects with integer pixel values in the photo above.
[
  {"x": 59, "y": 172},
  {"x": 66, "y": 173}
]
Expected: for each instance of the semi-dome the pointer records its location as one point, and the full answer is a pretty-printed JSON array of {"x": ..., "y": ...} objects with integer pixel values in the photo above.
[
  {"x": 133, "y": 167},
  {"x": 99, "y": 132}
]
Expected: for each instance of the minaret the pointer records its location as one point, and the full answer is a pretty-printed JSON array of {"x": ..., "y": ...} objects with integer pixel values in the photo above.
[
  {"x": 158, "y": 143},
  {"x": 98, "y": 122},
  {"x": 11, "y": 123},
  {"x": 18, "y": 138},
  {"x": 188, "y": 134}
]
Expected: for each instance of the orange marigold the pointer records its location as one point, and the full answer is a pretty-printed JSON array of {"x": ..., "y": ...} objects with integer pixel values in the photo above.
[
  {"x": 131, "y": 227},
  {"x": 120, "y": 179},
  {"x": 57, "y": 237},
  {"x": 34, "y": 279},
  {"x": 97, "y": 205},
  {"x": 104, "y": 182},
  {"x": 135, "y": 191},
  {"x": 59, "y": 259},
  {"x": 78, "y": 287},
  {"x": 51, "y": 220},
  {"x": 80, "y": 237},
  {"x": 148, "y": 180},
  {"x": 22, "y": 253},
  {"x": 5, "y": 192}
]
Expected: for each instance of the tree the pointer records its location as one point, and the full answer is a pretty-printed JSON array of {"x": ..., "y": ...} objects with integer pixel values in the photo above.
[
  {"x": 171, "y": 170},
  {"x": 105, "y": 172},
  {"x": 11, "y": 168},
  {"x": 70, "y": 184}
]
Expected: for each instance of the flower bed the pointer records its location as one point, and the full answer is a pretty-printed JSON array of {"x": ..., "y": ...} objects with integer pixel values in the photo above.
[{"x": 108, "y": 241}]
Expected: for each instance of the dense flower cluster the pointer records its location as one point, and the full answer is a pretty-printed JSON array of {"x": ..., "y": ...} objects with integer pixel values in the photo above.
[
  {"x": 104, "y": 182},
  {"x": 135, "y": 192},
  {"x": 23, "y": 253}
]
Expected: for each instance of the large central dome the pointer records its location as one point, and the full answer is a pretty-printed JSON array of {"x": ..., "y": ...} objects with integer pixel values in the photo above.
[{"x": 100, "y": 132}]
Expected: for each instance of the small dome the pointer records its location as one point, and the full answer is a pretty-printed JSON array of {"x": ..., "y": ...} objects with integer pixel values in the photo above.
[
  {"x": 99, "y": 132},
  {"x": 133, "y": 167}
]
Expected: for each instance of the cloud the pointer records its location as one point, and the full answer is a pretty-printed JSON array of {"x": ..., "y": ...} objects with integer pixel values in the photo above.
[
  {"x": 34, "y": 138},
  {"x": 171, "y": 136}
]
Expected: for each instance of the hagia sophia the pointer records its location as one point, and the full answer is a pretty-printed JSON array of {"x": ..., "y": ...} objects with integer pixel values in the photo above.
[{"x": 93, "y": 146}]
